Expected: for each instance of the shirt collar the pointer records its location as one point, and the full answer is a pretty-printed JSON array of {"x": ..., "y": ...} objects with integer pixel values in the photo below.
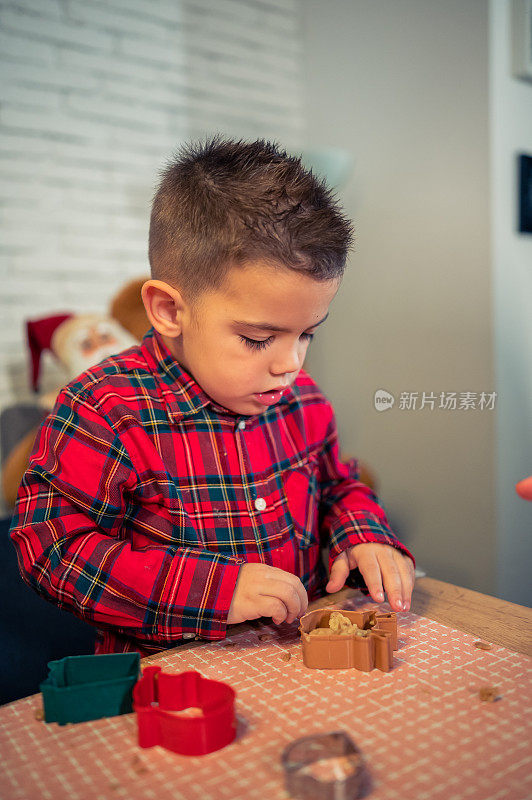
[{"x": 181, "y": 392}]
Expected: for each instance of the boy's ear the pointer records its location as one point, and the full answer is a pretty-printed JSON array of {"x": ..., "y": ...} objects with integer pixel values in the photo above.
[{"x": 164, "y": 306}]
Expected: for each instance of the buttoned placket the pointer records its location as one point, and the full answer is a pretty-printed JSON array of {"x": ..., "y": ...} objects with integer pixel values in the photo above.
[
  {"x": 259, "y": 502},
  {"x": 275, "y": 555}
]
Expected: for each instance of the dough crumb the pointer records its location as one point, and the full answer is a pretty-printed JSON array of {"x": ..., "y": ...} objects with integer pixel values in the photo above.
[
  {"x": 286, "y": 656},
  {"x": 191, "y": 711},
  {"x": 39, "y": 714},
  {"x": 138, "y": 766},
  {"x": 265, "y": 637},
  {"x": 335, "y": 768},
  {"x": 488, "y": 693},
  {"x": 482, "y": 645}
]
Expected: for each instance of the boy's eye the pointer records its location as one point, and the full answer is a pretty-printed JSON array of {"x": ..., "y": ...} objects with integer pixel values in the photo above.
[
  {"x": 260, "y": 344},
  {"x": 256, "y": 344}
]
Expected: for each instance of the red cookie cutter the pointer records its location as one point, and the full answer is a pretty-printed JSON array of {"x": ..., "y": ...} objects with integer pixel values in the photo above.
[{"x": 157, "y": 694}]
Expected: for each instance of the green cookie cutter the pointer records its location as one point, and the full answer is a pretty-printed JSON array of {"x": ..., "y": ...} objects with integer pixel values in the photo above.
[{"x": 80, "y": 688}]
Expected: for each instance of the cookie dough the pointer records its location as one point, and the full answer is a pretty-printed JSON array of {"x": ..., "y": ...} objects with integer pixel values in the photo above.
[{"x": 339, "y": 625}]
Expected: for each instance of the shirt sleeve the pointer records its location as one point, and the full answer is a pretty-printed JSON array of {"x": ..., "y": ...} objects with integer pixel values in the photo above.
[
  {"x": 350, "y": 513},
  {"x": 73, "y": 548}
]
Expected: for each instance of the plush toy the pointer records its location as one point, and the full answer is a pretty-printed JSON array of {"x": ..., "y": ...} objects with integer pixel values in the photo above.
[{"x": 78, "y": 341}]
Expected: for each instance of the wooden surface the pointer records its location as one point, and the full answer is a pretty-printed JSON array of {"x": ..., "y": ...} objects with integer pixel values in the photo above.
[{"x": 489, "y": 618}]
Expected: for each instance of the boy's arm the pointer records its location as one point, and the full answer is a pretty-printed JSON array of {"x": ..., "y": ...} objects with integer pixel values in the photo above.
[
  {"x": 349, "y": 511},
  {"x": 67, "y": 529}
]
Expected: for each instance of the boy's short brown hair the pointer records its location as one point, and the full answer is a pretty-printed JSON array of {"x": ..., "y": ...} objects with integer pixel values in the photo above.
[{"x": 223, "y": 202}]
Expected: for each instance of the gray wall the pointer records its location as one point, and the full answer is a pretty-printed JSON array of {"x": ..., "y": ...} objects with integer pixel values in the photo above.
[
  {"x": 404, "y": 87},
  {"x": 511, "y": 127}
]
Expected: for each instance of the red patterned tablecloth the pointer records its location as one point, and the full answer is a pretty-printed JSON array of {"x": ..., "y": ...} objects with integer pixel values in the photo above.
[{"x": 423, "y": 728}]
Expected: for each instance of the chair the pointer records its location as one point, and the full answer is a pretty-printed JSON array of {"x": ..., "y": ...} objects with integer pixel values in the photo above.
[{"x": 32, "y": 630}]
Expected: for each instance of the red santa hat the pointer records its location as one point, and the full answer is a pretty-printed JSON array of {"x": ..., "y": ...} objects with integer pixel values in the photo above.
[{"x": 40, "y": 332}]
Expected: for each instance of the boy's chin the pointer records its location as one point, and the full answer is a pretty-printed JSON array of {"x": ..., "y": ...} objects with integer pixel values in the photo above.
[{"x": 244, "y": 407}]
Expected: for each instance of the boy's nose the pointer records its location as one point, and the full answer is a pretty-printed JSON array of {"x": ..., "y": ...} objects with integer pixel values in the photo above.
[{"x": 286, "y": 363}]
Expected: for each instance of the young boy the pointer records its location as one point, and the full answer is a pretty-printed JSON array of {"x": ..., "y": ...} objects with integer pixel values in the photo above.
[{"x": 186, "y": 484}]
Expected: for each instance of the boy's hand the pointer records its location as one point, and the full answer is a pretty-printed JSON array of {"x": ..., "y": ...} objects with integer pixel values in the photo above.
[
  {"x": 264, "y": 591},
  {"x": 380, "y": 565}
]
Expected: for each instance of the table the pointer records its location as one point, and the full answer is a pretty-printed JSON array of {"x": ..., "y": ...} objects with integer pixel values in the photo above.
[
  {"x": 422, "y": 727},
  {"x": 496, "y": 621}
]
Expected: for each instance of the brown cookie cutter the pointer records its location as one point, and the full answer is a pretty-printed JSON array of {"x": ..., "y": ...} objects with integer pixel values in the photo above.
[
  {"x": 325, "y": 766},
  {"x": 342, "y": 651}
]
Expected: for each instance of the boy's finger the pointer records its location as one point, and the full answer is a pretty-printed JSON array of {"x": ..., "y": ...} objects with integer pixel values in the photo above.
[
  {"x": 338, "y": 575},
  {"x": 392, "y": 581},
  {"x": 371, "y": 572},
  {"x": 352, "y": 558},
  {"x": 287, "y": 593},
  {"x": 406, "y": 570},
  {"x": 300, "y": 589},
  {"x": 294, "y": 581},
  {"x": 295, "y": 585},
  {"x": 272, "y": 607}
]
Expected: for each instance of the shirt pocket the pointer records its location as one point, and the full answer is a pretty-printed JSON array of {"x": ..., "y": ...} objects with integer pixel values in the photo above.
[{"x": 302, "y": 494}]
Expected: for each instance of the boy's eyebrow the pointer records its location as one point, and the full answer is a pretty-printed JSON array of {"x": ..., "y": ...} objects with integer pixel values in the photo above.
[{"x": 265, "y": 326}]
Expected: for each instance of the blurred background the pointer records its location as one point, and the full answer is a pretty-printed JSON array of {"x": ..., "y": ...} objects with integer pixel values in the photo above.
[{"x": 414, "y": 112}]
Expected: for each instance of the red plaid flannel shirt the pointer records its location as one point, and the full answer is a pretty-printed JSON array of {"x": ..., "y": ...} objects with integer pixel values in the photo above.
[{"x": 143, "y": 497}]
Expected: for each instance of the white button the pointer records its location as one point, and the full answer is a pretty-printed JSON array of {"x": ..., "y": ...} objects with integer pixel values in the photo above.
[
  {"x": 241, "y": 425},
  {"x": 188, "y": 635},
  {"x": 260, "y": 503}
]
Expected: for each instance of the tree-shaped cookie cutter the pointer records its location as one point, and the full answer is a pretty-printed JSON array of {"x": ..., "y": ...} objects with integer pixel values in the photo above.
[
  {"x": 342, "y": 651},
  {"x": 81, "y": 688},
  {"x": 158, "y": 694}
]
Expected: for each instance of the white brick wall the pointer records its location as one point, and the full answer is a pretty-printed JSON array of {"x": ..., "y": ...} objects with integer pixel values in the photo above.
[{"x": 95, "y": 96}]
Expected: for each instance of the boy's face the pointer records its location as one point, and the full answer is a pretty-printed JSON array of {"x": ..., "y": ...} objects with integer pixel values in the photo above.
[{"x": 227, "y": 341}]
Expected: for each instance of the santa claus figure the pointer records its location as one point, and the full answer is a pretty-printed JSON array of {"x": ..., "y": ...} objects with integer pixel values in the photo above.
[{"x": 77, "y": 341}]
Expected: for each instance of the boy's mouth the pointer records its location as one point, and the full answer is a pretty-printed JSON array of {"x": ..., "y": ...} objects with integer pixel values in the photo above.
[{"x": 270, "y": 397}]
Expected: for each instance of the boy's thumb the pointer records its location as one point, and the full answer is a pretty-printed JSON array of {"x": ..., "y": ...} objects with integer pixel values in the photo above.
[{"x": 339, "y": 573}]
